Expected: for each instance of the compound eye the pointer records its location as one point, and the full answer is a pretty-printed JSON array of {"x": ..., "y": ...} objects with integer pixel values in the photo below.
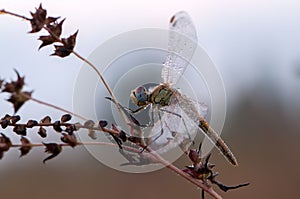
[{"x": 140, "y": 94}]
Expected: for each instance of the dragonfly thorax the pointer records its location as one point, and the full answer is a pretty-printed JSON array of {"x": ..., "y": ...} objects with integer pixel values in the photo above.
[
  {"x": 140, "y": 96},
  {"x": 161, "y": 95}
]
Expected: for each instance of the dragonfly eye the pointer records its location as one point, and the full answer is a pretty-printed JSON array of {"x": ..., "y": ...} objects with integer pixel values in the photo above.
[{"x": 140, "y": 94}]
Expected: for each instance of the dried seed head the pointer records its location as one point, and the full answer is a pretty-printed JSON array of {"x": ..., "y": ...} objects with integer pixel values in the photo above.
[
  {"x": 25, "y": 148},
  {"x": 70, "y": 139},
  {"x": 42, "y": 132},
  {"x": 103, "y": 123},
  {"x": 31, "y": 123},
  {"x": 20, "y": 129},
  {"x": 46, "y": 120},
  {"x": 66, "y": 118},
  {"x": 56, "y": 126}
]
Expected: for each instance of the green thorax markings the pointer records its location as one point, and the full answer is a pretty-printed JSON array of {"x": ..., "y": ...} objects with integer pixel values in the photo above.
[{"x": 161, "y": 95}]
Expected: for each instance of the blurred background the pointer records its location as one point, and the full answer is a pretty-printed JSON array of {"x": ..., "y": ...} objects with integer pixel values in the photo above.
[{"x": 254, "y": 44}]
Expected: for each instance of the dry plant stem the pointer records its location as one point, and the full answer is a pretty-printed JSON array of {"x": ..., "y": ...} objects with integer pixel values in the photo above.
[
  {"x": 104, "y": 83},
  {"x": 157, "y": 157},
  {"x": 198, "y": 183},
  {"x": 53, "y": 106},
  {"x": 79, "y": 143},
  {"x": 13, "y": 14},
  {"x": 78, "y": 56}
]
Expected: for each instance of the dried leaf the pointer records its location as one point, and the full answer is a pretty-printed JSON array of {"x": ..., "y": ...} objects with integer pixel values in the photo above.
[
  {"x": 25, "y": 148},
  {"x": 38, "y": 19},
  {"x": 53, "y": 148},
  {"x": 69, "y": 139},
  {"x": 66, "y": 118},
  {"x": 20, "y": 129},
  {"x": 42, "y": 132}
]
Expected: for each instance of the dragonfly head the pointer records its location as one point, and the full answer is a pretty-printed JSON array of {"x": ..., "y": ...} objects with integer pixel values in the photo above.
[{"x": 139, "y": 96}]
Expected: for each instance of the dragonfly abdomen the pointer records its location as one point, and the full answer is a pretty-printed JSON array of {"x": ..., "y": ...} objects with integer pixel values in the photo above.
[{"x": 217, "y": 140}]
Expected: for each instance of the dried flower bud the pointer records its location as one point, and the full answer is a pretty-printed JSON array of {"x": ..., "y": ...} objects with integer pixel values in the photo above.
[
  {"x": 70, "y": 139},
  {"x": 103, "y": 123},
  {"x": 122, "y": 135},
  {"x": 67, "y": 48},
  {"x": 53, "y": 148},
  {"x": 20, "y": 129},
  {"x": 31, "y": 123},
  {"x": 66, "y": 118},
  {"x": 14, "y": 119},
  {"x": 89, "y": 123},
  {"x": 46, "y": 40},
  {"x": 4, "y": 123},
  {"x": 38, "y": 19},
  {"x": 46, "y": 120},
  {"x": 5, "y": 142},
  {"x": 92, "y": 134},
  {"x": 194, "y": 156},
  {"x": 70, "y": 129},
  {"x": 25, "y": 148},
  {"x": 18, "y": 99},
  {"x": 51, "y": 20},
  {"x": 42, "y": 132},
  {"x": 56, "y": 126}
]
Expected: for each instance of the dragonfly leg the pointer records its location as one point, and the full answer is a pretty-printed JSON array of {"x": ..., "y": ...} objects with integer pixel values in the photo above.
[{"x": 161, "y": 125}]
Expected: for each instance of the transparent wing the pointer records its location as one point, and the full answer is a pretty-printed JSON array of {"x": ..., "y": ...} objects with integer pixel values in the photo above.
[
  {"x": 178, "y": 129},
  {"x": 181, "y": 46},
  {"x": 190, "y": 108}
]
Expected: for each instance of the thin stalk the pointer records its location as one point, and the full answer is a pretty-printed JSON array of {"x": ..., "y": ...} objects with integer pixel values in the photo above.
[{"x": 53, "y": 106}]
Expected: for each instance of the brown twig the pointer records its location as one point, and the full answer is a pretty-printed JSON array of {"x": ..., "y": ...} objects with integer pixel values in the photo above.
[{"x": 53, "y": 106}]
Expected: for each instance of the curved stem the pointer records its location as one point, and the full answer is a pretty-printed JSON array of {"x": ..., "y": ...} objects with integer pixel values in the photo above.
[{"x": 53, "y": 106}]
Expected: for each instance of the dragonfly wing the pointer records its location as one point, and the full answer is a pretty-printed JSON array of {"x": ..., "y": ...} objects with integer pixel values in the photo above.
[
  {"x": 176, "y": 127},
  {"x": 190, "y": 109},
  {"x": 181, "y": 46}
]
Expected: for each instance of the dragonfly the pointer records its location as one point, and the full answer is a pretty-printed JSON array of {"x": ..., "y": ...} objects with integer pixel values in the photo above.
[{"x": 170, "y": 103}]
